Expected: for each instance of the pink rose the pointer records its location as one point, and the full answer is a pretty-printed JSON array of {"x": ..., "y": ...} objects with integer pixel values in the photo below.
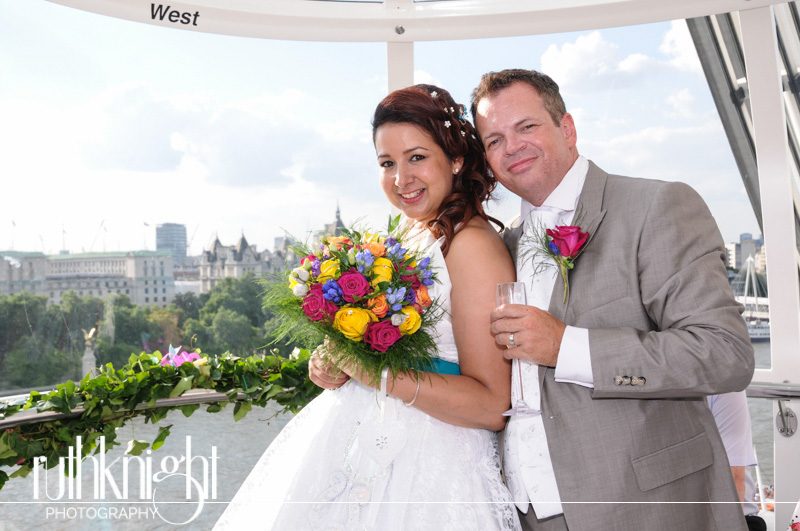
[
  {"x": 179, "y": 359},
  {"x": 317, "y": 307},
  {"x": 568, "y": 239},
  {"x": 382, "y": 335},
  {"x": 412, "y": 279},
  {"x": 353, "y": 285}
]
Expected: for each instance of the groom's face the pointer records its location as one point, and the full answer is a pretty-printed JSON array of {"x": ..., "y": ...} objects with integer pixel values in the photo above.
[{"x": 528, "y": 152}]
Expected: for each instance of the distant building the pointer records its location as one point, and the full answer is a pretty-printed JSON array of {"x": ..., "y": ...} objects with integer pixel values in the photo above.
[
  {"x": 171, "y": 237},
  {"x": 738, "y": 253},
  {"x": 733, "y": 255},
  {"x": 144, "y": 276},
  {"x": 761, "y": 260},
  {"x": 235, "y": 261},
  {"x": 21, "y": 271}
]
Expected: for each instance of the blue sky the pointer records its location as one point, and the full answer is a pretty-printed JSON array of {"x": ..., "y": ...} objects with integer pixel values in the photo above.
[{"x": 109, "y": 124}]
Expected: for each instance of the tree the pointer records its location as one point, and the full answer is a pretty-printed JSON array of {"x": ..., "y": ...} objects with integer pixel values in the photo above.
[
  {"x": 233, "y": 331},
  {"x": 189, "y": 304},
  {"x": 241, "y": 295},
  {"x": 34, "y": 363}
]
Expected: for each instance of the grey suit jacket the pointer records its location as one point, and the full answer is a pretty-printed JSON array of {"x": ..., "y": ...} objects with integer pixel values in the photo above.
[{"x": 664, "y": 331}]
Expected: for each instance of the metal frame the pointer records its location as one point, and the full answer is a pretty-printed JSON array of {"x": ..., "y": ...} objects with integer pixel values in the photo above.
[
  {"x": 409, "y": 21},
  {"x": 400, "y": 23},
  {"x": 760, "y": 47}
]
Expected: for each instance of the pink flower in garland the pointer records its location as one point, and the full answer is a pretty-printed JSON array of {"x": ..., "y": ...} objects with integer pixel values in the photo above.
[{"x": 176, "y": 358}]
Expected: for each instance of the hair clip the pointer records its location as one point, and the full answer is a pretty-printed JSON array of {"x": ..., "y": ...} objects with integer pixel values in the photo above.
[
  {"x": 434, "y": 94},
  {"x": 447, "y": 123}
]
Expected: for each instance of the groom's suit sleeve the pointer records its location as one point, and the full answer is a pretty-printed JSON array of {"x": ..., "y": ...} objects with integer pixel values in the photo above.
[{"x": 698, "y": 344}]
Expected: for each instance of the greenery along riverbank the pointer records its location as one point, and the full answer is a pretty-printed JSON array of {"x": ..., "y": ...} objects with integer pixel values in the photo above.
[{"x": 42, "y": 344}]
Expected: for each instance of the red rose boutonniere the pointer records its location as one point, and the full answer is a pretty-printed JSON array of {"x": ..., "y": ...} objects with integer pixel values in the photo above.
[{"x": 562, "y": 246}]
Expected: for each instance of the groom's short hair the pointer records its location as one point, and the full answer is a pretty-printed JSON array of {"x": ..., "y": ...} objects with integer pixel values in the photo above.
[{"x": 493, "y": 82}]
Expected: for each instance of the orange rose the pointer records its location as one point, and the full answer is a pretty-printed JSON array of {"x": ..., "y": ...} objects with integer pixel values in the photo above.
[
  {"x": 337, "y": 242},
  {"x": 379, "y": 306},
  {"x": 377, "y": 249},
  {"x": 423, "y": 299}
]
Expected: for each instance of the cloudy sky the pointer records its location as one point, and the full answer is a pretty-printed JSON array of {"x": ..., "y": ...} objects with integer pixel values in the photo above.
[{"x": 110, "y": 127}]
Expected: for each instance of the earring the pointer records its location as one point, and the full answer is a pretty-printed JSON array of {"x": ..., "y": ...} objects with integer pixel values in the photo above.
[{"x": 455, "y": 170}]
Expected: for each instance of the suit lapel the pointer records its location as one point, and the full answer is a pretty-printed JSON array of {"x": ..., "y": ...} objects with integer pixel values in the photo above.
[
  {"x": 511, "y": 236},
  {"x": 588, "y": 215}
]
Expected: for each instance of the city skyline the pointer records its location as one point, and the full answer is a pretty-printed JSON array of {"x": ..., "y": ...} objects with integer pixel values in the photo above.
[{"x": 133, "y": 125}]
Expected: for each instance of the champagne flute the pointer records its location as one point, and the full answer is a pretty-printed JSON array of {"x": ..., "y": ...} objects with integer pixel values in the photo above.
[{"x": 514, "y": 293}]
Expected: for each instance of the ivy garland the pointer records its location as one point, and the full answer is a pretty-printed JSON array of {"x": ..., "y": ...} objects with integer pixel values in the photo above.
[{"x": 109, "y": 400}]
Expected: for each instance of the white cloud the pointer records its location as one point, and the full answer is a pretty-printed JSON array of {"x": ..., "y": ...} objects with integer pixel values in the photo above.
[
  {"x": 682, "y": 103},
  {"x": 591, "y": 63},
  {"x": 678, "y": 46}
]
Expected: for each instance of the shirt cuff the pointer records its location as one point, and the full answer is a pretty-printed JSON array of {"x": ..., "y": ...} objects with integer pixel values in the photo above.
[{"x": 574, "y": 363}]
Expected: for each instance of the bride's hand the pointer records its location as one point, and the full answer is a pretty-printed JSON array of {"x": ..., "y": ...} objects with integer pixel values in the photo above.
[{"x": 324, "y": 374}]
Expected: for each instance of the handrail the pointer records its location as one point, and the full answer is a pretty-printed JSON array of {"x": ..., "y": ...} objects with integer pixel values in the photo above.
[
  {"x": 31, "y": 416},
  {"x": 773, "y": 390},
  {"x": 204, "y": 396}
]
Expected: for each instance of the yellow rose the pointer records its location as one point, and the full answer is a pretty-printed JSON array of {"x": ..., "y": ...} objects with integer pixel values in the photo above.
[
  {"x": 353, "y": 322},
  {"x": 412, "y": 323},
  {"x": 382, "y": 271},
  {"x": 329, "y": 269}
]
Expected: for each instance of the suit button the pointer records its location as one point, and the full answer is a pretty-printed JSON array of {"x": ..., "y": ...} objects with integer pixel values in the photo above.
[
  {"x": 626, "y": 380},
  {"x": 638, "y": 380},
  {"x": 617, "y": 380}
]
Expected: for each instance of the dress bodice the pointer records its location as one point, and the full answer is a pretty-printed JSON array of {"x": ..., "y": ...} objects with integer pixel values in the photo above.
[{"x": 421, "y": 239}]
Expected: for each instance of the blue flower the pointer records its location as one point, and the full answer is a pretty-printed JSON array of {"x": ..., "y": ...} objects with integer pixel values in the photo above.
[
  {"x": 396, "y": 252},
  {"x": 411, "y": 296},
  {"x": 315, "y": 267},
  {"x": 395, "y": 298},
  {"x": 332, "y": 291},
  {"x": 554, "y": 248},
  {"x": 364, "y": 261},
  {"x": 424, "y": 263}
]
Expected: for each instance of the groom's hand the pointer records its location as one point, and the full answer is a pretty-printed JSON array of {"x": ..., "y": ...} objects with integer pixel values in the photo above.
[{"x": 536, "y": 333}]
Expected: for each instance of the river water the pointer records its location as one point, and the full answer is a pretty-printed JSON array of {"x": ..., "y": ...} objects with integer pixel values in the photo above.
[{"x": 237, "y": 446}]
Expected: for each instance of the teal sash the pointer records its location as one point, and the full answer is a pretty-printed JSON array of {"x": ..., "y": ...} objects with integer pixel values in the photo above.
[{"x": 441, "y": 366}]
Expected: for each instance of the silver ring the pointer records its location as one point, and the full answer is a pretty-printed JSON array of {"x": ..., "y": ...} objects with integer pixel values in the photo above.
[{"x": 511, "y": 342}]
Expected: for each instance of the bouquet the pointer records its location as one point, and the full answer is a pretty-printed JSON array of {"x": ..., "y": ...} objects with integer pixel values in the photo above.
[{"x": 365, "y": 291}]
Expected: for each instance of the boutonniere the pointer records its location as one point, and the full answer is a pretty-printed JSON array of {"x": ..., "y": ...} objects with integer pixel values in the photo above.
[{"x": 557, "y": 247}]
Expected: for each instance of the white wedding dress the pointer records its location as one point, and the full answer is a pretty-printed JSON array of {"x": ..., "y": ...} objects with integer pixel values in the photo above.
[{"x": 349, "y": 460}]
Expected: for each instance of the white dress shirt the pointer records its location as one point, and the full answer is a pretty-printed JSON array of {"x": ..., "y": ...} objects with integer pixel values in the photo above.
[{"x": 529, "y": 470}]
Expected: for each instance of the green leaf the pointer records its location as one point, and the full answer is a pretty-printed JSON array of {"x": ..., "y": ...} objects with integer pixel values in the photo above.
[
  {"x": 214, "y": 408},
  {"x": 183, "y": 385},
  {"x": 136, "y": 447},
  {"x": 21, "y": 472},
  {"x": 240, "y": 410},
  {"x": 188, "y": 409},
  {"x": 3, "y": 479},
  {"x": 163, "y": 433}
]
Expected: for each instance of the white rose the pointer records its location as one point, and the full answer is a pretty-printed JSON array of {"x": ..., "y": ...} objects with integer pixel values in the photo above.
[
  {"x": 300, "y": 273},
  {"x": 399, "y": 318},
  {"x": 300, "y": 290}
]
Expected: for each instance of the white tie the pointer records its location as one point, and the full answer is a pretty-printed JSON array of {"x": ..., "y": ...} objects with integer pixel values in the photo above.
[{"x": 533, "y": 455}]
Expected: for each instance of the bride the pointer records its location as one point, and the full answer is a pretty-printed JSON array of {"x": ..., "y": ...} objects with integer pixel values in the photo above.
[{"x": 406, "y": 452}]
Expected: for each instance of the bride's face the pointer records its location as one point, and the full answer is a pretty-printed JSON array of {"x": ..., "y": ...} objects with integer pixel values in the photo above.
[{"x": 416, "y": 175}]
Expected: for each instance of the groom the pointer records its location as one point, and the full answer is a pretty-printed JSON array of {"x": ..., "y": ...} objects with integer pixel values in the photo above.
[{"x": 615, "y": 372}]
